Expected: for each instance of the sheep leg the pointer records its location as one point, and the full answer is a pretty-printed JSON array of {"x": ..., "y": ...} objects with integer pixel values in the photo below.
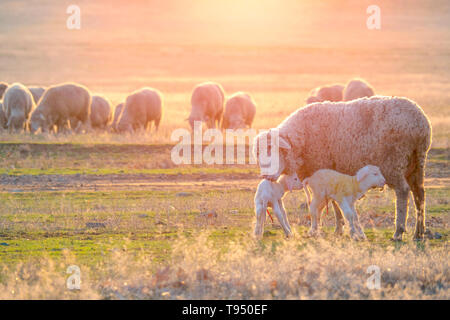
[
  {"x": 63, "y": 126},
  {"x": 358, "y": 225},
  {"x": 157, "y": 124},
  {"x": 83, "y": 126},
  {"x": 260, "y": 210},
  {"x": 350, "y": 216},
  {"x": 284, "y": 220},
  {"x": 316, "y": 208},
  {"x": 339, "y": 218},
  {"x": 218, "y": 117},
  {"x": 401, "y": 213},
  {"x": 279, "y": 214},
  {"x": 415, "y": 181},
  {"x": 79, "y": 127}
]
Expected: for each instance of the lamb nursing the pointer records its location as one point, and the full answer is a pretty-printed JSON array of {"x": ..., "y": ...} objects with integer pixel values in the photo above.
[
  {"x": 269, "y": 194},
  {"x": 392, "y": 133}
]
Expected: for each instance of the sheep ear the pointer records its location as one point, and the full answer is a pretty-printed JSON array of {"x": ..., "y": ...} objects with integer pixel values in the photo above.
[
  {"x": 362, "y": 174},
  {"x": 284, "y": 144},
  {"x": 42, "y": 116},
  {"x": 289, "y": 185}
]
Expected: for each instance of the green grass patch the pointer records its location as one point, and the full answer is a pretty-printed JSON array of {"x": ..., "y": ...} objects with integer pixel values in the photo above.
[{"x": 107, "y": 171}]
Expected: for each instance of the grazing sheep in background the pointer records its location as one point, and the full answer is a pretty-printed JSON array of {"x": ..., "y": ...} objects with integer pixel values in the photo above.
[
  {"x": 328, "y": 184},
  {"x": 357, "y": 89},
  {"x": 331, "y": 93},
  {"x": 269, "y": 194},
  {"x": 141, "y": 108},
  {"x": 101, "y": 113},
  {"x": 37, "y": 93},
  {"x": 3, "y": 87},
  {"x": 312, "y": 99},
  {"x": 117, "y": 113},
  {"x": 207, "y": 104},
  {"x": 3, "y": 120},
  {"x": 390, "y": 132},
  {"x": 239, "y": 112},
  {"x": 59, "y": 104},
  {"x": 17, "y": 105}
]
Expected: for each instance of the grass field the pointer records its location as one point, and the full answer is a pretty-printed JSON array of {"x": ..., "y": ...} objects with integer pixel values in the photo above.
[{"x": 139, "y": 226}]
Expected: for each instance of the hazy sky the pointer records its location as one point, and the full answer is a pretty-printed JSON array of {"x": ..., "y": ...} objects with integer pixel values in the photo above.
[{"x": 230, "y": 22}]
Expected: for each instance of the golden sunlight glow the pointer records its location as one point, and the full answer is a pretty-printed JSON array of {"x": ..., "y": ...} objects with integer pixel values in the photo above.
[{"x": 244, "y": 21}]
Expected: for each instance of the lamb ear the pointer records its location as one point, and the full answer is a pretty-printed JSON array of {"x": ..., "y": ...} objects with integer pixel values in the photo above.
[
  {"x": 284, "y": 144},
  {"x": 362, "y": 174}
]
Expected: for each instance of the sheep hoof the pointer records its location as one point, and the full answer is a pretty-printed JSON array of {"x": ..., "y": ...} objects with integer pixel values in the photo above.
[
  {"x": 358, "y": 236},
  {"x": 362, "y": 236},
  {"x": 397, "y": 236},
  {"x": 313, "y": 233},
  {"x": 289, "y": 235},
  {"x": 355, "y": 237},
  {"x": 257, "y": 235},
  {"x": 418, "y": 237}
]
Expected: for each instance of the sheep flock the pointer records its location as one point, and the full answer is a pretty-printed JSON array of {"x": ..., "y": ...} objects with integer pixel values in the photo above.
[
  {"x": 342, "y": 127},
  {"x": 71, "y": 107}
]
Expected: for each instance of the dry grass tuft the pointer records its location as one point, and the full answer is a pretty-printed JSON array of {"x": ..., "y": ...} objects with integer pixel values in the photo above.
[{"x": 201, "y": 269}]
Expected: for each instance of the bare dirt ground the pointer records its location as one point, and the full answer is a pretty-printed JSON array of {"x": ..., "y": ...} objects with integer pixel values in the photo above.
[
  {"x": 143, "y": 182},
  {"x": 125, "y": 182}
]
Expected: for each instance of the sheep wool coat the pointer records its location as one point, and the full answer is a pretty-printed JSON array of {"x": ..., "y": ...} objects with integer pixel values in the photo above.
[
  {"x": 337, "y": 185},
  {"x": 343, "y": 186}
]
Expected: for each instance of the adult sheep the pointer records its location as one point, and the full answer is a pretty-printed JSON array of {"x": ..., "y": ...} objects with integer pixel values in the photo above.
[
  {"x": 17, "y": 105},
  {"x": 331, "y": 93},
  {"x": 101, "y": 113},
  {"x": 117, "y": 113},
  {"x": 389, "y": 132},
  {"x": 207, "y": 104},
  {"x": 37, "y": 93},
  {"x": 3, "y": 87},
  {"x": 239, "y": 112},
  {"x": 357, "y": 89},
  {"x": 141, "y": 108},
  {"x": 59, "y": 104}
]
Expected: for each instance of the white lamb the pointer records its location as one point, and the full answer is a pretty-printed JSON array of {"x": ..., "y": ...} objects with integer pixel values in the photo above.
[
  {"x": 328, "y": 184},
  {"x": 269, "y": 194}
]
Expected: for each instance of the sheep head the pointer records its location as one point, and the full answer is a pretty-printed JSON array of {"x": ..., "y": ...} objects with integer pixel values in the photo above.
[
  {"x": 312, "y": 99},
  {"x": 37, "y": 121},
  {"x": 370, "y": 177},
  {"x": 274, "y": 154},
  {"x": 235, "y": 122}
]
